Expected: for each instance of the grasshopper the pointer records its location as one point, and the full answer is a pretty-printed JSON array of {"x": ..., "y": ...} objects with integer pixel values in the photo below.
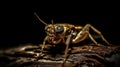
[{"x": 68, "y": 34}]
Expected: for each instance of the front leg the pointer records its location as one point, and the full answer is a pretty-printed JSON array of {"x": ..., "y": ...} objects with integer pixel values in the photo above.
[
  {"x": 43, "y": 46},
  {"x": 67, "y": 46}
]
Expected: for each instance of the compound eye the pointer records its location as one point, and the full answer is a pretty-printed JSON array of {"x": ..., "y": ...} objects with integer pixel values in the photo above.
[{"x": 59, "y": 29}]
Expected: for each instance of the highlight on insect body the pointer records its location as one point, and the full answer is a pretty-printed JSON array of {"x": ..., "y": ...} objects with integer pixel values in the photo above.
[{"x": 68, "y": 34}]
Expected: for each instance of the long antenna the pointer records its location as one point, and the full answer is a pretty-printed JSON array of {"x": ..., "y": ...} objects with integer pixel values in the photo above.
[{"x": 40, "y": 19}]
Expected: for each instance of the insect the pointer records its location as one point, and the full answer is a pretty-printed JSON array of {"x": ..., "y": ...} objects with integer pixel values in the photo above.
[{"x": 68, "y": 34}]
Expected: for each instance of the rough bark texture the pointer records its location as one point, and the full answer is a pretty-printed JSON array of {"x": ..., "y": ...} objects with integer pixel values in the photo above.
[{"x": 82, "y": 56}]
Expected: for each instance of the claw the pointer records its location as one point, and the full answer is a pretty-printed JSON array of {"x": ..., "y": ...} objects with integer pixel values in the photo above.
[
  {"x": 64, "y": 60},
  {"x": 38, "y": 55}
]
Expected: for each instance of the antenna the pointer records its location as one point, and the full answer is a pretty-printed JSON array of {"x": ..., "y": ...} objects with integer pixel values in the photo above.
[
  {"x": 52, "y": 21},
  {"x": 40, "y": 19}
]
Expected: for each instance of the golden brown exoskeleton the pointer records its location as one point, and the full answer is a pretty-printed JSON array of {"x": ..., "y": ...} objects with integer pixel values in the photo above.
[{"x": 68, "y": 34}]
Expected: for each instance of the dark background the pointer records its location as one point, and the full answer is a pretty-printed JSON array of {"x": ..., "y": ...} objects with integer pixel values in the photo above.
[{"x": 18, "y": 24}]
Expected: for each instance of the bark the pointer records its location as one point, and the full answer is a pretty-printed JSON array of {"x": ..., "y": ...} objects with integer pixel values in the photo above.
[{"x": 79, "y": 56}]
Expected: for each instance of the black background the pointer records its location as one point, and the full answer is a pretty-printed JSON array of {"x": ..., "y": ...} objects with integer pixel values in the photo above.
[{"x": 18, "y": 24}]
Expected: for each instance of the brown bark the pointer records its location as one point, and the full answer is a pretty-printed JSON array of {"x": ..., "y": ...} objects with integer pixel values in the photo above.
[{"x": 80, "y": 56}]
